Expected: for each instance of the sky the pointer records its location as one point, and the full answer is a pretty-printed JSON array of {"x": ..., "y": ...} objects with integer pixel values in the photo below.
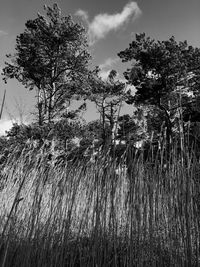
[{"x": 111, "y": 26}]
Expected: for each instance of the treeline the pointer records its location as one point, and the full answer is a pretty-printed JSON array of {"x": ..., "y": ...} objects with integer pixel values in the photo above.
[{"x": 52, "y": 57}]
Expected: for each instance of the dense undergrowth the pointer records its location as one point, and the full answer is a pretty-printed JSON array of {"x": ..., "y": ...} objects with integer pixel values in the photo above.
[{"x": 100, "y": 213}]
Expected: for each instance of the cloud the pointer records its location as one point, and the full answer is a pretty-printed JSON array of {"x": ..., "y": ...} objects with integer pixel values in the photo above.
[
  {"x": 5, "y": 125},
  {"x": 83, "y": 14},
  {"x": 106, "y": 67},
  {"x": 104, "y": 74},
  {"x": 3, "y": 33},
  {"x": 109, "y": 62},
  {"x": 102, "y": 24}
]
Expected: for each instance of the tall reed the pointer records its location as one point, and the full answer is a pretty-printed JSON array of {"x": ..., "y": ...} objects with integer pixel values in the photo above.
[{"x": 87, "y": 214}]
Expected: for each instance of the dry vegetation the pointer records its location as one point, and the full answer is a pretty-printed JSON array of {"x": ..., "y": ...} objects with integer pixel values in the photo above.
[{"x": 84, "y": 214}]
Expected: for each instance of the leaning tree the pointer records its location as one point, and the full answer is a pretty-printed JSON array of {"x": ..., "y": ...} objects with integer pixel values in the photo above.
[{"x": 52, "y": 57}]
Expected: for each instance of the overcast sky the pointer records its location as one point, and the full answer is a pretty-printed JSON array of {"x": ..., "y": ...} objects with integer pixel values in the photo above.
[{"x": 111, "y": 26}]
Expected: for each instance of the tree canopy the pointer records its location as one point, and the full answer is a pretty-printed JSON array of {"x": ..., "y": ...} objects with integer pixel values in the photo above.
[
  {"x": 52, "y": 57},
  {"x": 163, "y": 72}
]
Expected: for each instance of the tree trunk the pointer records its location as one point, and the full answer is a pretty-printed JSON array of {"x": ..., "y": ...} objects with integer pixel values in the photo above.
[
  {"x": 103, "y": 122},
  {"x": 168, "y": 125},
  {"x": 40, "y": 107}
]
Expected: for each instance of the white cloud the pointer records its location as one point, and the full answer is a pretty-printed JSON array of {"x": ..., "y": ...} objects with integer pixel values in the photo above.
[
  {"x": 106, "y": 67},
  {"x": 108, "y": 63},
  {"x": 102, "y": 24},
  {"x": 5, "y": 125},
  {"x": 3, "y": 33},
  {"x": 83, "y": 14},
  {"x": 104, "y": 74}
]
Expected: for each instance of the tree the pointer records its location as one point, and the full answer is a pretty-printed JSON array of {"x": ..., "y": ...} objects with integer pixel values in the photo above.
[
  {"x": 127, "y": 129},
  {"x": 108, "y": 96},
  {"x": 51, "y": 57},
  {"x": 162, "y": 73}
]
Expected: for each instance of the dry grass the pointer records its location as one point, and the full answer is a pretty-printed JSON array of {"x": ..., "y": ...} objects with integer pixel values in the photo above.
[{"x": 87, "y": 215}]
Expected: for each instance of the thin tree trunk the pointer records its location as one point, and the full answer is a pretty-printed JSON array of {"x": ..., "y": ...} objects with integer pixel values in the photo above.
[
  {"x": 103, "y": 122},
  {"x": 168, "y": 125},
  {"x": 39, "y": 107}
]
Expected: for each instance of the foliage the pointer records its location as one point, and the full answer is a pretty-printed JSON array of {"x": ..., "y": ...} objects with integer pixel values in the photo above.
[
  {"x": 108, "y": 96},
  {"x": 21, "y": 133},
  {"x": 51, "y": 56},
  {"x": 161, "y": 73},
  {"x": 127, "y": 128}
]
